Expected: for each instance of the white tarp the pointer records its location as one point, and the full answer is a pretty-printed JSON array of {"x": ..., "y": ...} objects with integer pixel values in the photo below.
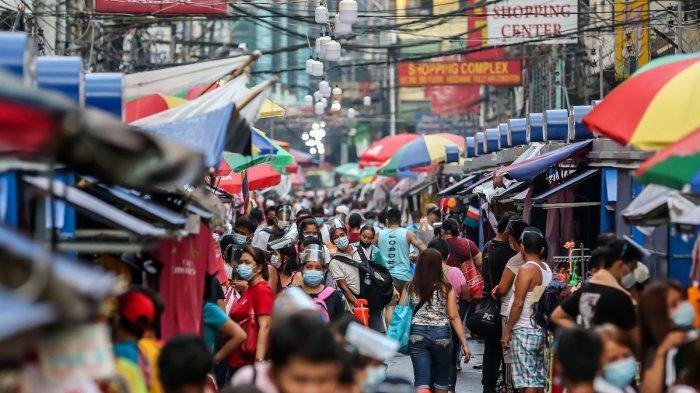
[
  {"x": 657, "y": 205},
  {"x": 173, "y": 80}
]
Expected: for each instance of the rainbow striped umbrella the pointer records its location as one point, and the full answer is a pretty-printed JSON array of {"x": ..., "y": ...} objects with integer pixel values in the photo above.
[
  {"x": 676, "y": 166},
  {"x": 150, "y": 105},
  {"x": 421, "y": 152},
  {"x": 657, "y": 106}
]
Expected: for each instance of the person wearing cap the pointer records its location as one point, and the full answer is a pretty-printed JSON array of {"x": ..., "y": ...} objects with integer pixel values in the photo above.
[
  {"x": 277, "y": 227},
  {"x": 313, "y": 269},
  {"x": 135, "y": 313}
]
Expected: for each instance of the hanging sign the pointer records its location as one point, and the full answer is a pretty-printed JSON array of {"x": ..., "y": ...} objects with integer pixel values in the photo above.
[
  {"x": 440, "y": 73},
  {"x": 539, "y": 21},
  {"x": 162, "y": 7}
]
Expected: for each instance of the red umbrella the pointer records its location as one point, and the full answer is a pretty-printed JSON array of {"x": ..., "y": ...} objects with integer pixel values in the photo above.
[
  {"x": 224, "y": 169},
  {"x": 27, "y": 127},
  {"x": 382, "y": 150},
  {"x": 259, "y": 177},
  {"x": 201, "y": 89},
  {"x": 150, "y": 105}
]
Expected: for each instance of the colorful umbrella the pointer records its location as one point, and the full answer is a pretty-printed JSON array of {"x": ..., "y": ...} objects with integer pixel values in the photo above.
[
  {"x": 424, "y": 151},
  {"x": 259, "y": 177},
  {"x": 657, "y": 106},
  {"x": 676, "y": 165},
  {"x": 282, "y": 157},
  {"x": 350, "y": 169},
  {"x": 268, "y": 109},
  {"x": 382, "y": 150},
  {"x": 239, "y": 162},
  {"x": 150, "y": 105}
]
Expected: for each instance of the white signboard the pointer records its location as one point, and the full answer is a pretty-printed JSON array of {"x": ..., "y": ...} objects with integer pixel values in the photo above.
[{"x": 539, "y": 21}]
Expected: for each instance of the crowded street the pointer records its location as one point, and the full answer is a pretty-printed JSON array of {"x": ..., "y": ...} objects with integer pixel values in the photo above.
[{"x": 350, "y": 196}]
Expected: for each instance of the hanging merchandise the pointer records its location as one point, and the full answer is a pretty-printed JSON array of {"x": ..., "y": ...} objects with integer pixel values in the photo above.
[
  {"x": 321, "y": 45},
  {"x": 324, "y": 87},
  {"x": 317, "y": 68},
  {"x": 347, "y": 10},
  {"x": 337, "y": 91},
  {"x": 340, "y": 27},
  {"x": 333, "y": 50},
  {"x": 367, "y": 101},
  {"x": 321, "y": 14},
  {"x": 317, "y": 95},
  {"x": 319, "y": 108},
  {"x": 309, "y": 66},
  {"x": 308, "y": 99}
]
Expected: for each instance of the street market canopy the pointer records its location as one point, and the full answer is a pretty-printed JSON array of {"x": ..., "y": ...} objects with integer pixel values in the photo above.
[
  {"x": 529, "y": 169},
  {"x": 676, "y": 166},
  {"x": 382, "y": 150},
  {"x": 424, "y": 151},
  {"x": 569, "y": 182},
  {"x": 453, "y": 188},
  {"x": 259, "y": 177},
  {"x": 657, "y": 205}
]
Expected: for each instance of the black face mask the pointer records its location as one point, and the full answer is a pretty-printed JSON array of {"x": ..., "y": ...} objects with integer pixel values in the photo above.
[{"x": 365, "y": 245}]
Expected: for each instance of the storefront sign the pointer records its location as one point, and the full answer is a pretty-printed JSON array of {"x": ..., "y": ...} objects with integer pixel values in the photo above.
[
  {"x": 495, "y": 73},
  {"x": 631, "y": 36},
  {"x": 162, "y": 7},
  {"x": 540, "y": 21},
  {"x": 431, "y": 123}
]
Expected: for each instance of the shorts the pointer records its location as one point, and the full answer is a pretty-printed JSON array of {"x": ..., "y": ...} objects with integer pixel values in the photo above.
[
  {"x": 527, "y": 349},
  {"x": 399, "y": 285}
]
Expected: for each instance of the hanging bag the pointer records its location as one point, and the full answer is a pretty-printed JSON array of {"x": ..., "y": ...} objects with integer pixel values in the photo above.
[
  {"x": 475, "y": 282},
  {"x": 400, "y": 327},
  {"x": 484, "y": 321}
]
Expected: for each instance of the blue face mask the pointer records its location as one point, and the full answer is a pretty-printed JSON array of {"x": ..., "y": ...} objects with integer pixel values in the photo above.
[
  {"x": 313, "y": 277},
  {"x": 245, "y": 272},
  {"x": 684, "y": 315},
  {"x": 239, "y": 239},
  {"x": 319, "y": 221},
  {"x": 342, "y": 242},
  {"x": 620, "y": 373}
]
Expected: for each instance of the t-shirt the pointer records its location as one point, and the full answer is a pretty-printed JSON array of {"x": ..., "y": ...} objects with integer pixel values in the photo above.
[
  {"x": 344, "y": 271},
  {"x": 461, "y": 250},
  {"x": 150, "y": 349},
  {"x": 514, "y": 264},
  {"x": 185, "y": 263},
  {"x": 455, "y": 277},
  {"x": 394, "y": 246},
  {"x": 596, "y": 304},
  {"x": 499, "y": 252},
  {"x": 214, "y": 317},
  {"x": 261, "y": 298}
]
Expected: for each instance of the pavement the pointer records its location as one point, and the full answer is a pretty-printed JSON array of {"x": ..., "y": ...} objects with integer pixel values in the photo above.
[{"x": 468, "y": 380}]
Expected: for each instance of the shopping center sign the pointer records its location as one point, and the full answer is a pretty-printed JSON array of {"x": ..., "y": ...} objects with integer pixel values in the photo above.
[
  {"x": 536, "y": 21},
  {"x": 162, "y": 7},
  {"x": 441, "y": 73}
]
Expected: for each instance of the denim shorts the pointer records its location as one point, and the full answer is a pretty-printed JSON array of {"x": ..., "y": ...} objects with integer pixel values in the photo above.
[{"x": 430, "y": 348}]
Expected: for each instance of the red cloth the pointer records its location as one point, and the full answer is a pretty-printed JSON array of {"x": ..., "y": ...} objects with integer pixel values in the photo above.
[
  {"x": 185, "y": 263},
  {"x": 354, "y": 237},
  {"x": 461, "y": 250},
  {"x": 262, "y": 299}
]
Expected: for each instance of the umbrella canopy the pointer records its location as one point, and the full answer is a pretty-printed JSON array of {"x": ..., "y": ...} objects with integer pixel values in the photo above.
[
  {"x": 267, "y": 110},
  {"x": 259, "y": 177},
  {"x": 676, "y": 165},
  {"x": 350, "y": 169},
  {"x": 262, "y": 145},
  {"x": 240, "y": 163},
  {"x": 382, "y": 150},
  {"x": 655, "y": 107},
  {"x": 149, "y": 105},
  {"x": 424, "y": 151}
]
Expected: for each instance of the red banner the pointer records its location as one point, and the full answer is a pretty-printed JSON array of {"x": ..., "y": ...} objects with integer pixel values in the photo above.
[
  {"x": 162, "y": 7},
  {"x": 494, "y": 73}
]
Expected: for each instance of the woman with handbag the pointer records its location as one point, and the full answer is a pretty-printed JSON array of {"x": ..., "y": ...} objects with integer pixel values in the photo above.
[
  {"x": 253, "y": 310},
  {"x": 430, "y": 343},
  {"x": 465, "y": 255}
]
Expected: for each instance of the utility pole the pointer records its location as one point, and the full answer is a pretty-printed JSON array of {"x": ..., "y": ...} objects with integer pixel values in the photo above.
[
  {"x": 392, "y": 86},
  {"x": 679, "y": 27},
  {"x": 601, "y": 91}
]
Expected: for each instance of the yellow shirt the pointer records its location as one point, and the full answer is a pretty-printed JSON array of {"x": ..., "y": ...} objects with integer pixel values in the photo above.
[{"x": 150, "y": 348}]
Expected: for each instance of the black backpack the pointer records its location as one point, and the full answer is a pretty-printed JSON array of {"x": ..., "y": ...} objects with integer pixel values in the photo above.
[
  {"x": 552, "y": 296},
  {"x": 376, "y": 285}
]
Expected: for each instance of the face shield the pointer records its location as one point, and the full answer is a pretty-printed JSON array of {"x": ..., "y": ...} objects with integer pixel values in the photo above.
[
  {"x": 335, "y": 223},
  {"x": 284, "y": 216},
  {"x": 313, "y": 253}
]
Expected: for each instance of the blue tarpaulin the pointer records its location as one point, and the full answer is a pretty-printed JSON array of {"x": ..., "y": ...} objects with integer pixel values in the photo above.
[
  {"x": 528, "y": 169},
  {"x": 205, "y": 133}
]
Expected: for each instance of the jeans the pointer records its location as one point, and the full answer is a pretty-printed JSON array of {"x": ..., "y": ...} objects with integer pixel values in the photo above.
[{"x": 430, "y": 348}]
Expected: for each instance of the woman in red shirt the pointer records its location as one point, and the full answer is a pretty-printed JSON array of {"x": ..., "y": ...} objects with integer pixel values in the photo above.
[{"x": 253, "y": 310}]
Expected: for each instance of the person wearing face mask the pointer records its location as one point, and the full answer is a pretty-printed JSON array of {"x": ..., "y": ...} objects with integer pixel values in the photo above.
[
  {"x": 285, "y": 261},
  {"x": 604, "y": 298},
  {"x": 619, "y": 366},
  {"x": 365, "y": 246},
  {"x": 253, "y": 310},
  {"x": 243, "y": 230},
  {"x": 329, "y": 300},
  {"x": 280, "y": 226},
  {"x": 346, "y": 275},
  {"x": 319, "y": 215},
  {"x": 309, "y": 229},
  {"x": 667, "y": 336}
]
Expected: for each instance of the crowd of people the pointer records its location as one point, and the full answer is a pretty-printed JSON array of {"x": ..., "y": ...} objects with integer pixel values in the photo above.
[{"x": 300, "y": 282}]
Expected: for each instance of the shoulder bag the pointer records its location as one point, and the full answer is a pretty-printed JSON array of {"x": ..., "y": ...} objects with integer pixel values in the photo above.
[
  {"x": 400, "y": 327},
  {"x": 484, "y": 321},
  {"x": 475, "y": 282}
]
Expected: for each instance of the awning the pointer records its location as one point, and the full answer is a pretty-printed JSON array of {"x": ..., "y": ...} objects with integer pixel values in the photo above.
[
  {"x": 135, "y": 201},
  {"x": 419, "y": 189},
  {"x": 657, "y": 205},
  {"x": 456, "y": 186},
  {"x": 570, "y": 181},
  {"x": 471, "y": 187},
  {"x": 96, "y": 207},
  {"x": 529, "y": 169},
  {"x": 692, "y": 218}
]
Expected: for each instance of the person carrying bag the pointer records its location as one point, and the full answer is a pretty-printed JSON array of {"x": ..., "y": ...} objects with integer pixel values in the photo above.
[{"x": 400, "y": 328}]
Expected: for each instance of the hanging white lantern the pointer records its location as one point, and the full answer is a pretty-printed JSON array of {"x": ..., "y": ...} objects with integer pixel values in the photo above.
[
  {"x": 319, "y": 108},
  {"x": 324, "y": 87},
  {"x": 337, "y": 91},
  {"x": 322, "y": 124},
  {"x": 351, "y": 113},
  {"x": 308, "y": 99},
  {"x": 340, "y": 27},
  {"x": 321, "y": 14},
  {"x": 347, "y": 10},
  {"x": 317, "y": 69},
  {"x": 305, "y": 136},
  {"x": 367, "y": 101},
  {"x": 333, "y": 50},
  {"x": 335, "y": 106},
  {"x": 326, "y": 93},
  {"x": 317, "y": 95},
  {"x": 309, "y": 66},
  {"x": 324, "y": 102},
  {"x": 321, "y": 45},
  {"x": 321, "y": 149},
  {"x": 312, "y": 150}
]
